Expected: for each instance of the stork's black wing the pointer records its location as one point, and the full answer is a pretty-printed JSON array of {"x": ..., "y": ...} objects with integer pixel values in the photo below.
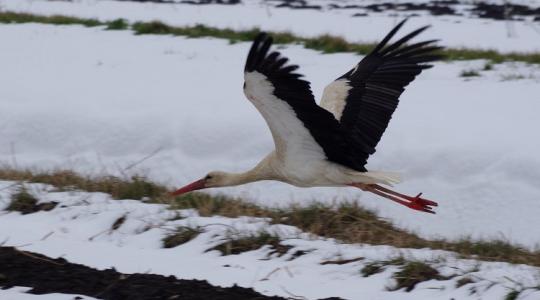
[{"x": 365, "y": 98}]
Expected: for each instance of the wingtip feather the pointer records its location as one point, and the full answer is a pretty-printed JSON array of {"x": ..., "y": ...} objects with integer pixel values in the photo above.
[
  {"x": 389, "y": 36},
  {"x": 258, "y": 52}
]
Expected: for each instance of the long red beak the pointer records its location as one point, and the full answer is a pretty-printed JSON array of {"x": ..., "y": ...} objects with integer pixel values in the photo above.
[{"x": 197, "y": 185}]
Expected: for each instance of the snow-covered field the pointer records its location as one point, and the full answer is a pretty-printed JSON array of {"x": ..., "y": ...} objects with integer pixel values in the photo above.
[
  {"x": 79, "y": 230},
  {"x": 109, "y": 102},
  {"x": 455, "y": 31},
  {"x": 98, "y": 101}
]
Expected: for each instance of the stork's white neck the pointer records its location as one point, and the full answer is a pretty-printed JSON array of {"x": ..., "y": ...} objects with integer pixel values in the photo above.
[{"x": 263, "y": 171}]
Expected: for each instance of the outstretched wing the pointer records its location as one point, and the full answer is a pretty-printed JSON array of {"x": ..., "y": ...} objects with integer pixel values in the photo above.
[
  {"x": 364, "y": 99},
  {"x": 301, "y": 129}
]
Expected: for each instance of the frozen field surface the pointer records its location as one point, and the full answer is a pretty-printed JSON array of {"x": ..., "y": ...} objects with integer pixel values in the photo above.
[
  {"x": 459, "y": 30},
  {"x": 99, "y": 101},
  {"x": 81, "y": 230}
]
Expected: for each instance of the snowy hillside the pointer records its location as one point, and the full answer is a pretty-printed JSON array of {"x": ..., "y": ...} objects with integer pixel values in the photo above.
[{"x": 94, "y": 230}]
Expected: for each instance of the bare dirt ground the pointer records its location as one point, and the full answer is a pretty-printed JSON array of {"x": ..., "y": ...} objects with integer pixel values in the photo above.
[{"x": 46, "y": 275}]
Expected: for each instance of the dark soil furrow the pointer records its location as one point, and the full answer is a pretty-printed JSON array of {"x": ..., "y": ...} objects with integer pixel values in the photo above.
[{"x": 46, "y": 275}]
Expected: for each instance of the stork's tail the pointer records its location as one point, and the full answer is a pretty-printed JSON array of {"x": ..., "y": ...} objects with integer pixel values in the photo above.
[{"x": 388, "y": 178}]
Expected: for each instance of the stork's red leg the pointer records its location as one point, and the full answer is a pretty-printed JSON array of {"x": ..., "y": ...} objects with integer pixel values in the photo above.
[
  {"x": 416, "y": 199},
  {"x": 416, "y": 203}
]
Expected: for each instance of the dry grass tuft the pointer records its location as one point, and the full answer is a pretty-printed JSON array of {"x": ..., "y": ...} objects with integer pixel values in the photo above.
[
  {"x": 136, "y": 187},
  {"x": 181, "y": 236},
  {"x": 346, "y": 221},
  {"x": 378, "y": 266},
  {"x": 489, "y": 250},
  {"x": 464, "y": 281},
  {"x": 207, "y": 205},
  {"x": 372, "y": 269},
  {"x": 25, "y": 203},
  {"x": 252, "y": 242},
  {"x": 414, "y": 272}
]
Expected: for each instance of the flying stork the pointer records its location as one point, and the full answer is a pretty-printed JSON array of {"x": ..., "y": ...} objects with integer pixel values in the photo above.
[{"x": 328, "y": 145}]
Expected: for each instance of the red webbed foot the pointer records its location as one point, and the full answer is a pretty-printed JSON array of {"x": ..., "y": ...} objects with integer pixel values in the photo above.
[{"x": 421, "y": 204}]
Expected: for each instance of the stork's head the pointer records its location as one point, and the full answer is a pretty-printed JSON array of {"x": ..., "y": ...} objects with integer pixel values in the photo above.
[{"x": 212, "y": 179}]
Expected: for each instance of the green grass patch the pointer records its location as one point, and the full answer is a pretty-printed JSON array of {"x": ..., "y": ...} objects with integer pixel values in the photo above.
[
  {"x": 253, "y": 242},
  {"x": 154, "y": 27},
  {"x": 118, "y": 24},
  {"x": 13, "y": 17},
  {"x": 181, "y": 235},
  {"x": 324, "y": 43},
  {"x": 491, "y": 55}
]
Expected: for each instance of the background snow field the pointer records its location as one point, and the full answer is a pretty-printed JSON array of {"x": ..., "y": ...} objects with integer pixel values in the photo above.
[{"x": 97, "y": 101}]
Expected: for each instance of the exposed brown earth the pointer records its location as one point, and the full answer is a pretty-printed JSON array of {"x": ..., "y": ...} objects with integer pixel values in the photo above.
[{"x": 47, "y": 275}]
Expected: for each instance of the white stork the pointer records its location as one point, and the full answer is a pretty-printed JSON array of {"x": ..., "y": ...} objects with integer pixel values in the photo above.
[{"x": 328, "y": 145}]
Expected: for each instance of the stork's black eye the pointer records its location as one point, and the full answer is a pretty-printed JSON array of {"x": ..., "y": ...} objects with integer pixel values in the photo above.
[{"x": 208, "y": 177}]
